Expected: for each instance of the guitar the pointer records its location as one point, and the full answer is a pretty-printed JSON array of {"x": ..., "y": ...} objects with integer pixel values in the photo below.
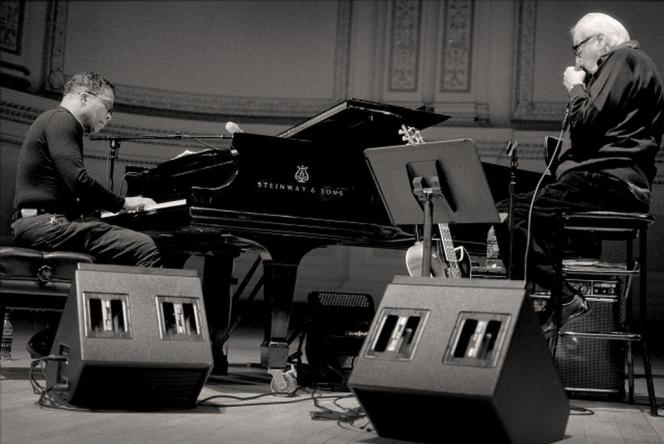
[{"x": 453, "y": 262}]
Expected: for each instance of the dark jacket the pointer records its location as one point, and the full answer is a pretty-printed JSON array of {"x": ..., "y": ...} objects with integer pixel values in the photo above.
[{"x": 617, "y": 119}]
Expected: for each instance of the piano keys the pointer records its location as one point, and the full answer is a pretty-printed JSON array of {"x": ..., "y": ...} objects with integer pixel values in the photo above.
[{"x": 178, "y": 203}]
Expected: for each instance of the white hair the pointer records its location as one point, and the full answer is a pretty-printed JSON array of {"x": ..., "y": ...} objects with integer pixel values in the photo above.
[{"x": 599, "y": 23}]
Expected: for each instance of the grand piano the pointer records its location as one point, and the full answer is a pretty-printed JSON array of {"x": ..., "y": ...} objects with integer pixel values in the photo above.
[{"x": 285, "y": 195}]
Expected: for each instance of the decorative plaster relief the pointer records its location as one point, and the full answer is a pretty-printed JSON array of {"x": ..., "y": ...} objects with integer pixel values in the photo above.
[
  {"x": 525, "y": 106},
  {"x": 19, "y": 113},
  {"x": 11, "y": 25},
  {"x": 457, "y": 46},
  {"x": 404, "y": 45},
  {"x": 54, "y": 44}
]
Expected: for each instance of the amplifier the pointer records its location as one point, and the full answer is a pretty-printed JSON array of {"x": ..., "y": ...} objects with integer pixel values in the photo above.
[
  {"x": 337, "y": 327},
  {"x": 591, "y": 367},
  {"x": 597, "y": 287}
]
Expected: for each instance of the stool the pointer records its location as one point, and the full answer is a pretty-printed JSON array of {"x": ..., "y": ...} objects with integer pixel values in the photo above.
[
  {"x": 37, "y": 279},
  {"x": 612, "y": 226}
]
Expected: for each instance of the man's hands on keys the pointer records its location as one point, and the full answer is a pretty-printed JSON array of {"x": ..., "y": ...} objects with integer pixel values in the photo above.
[{"x": 137, "y": 203}]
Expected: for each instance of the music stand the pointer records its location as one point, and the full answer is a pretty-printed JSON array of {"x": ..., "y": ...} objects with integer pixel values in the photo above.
[{"x": 432, "y": 183}]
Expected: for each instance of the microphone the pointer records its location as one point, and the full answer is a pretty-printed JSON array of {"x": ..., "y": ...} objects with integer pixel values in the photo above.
[
  {"x": 577, "y": 67},
  {"x": 511, "y": 149},
  {"x": 233, "y": 127}
]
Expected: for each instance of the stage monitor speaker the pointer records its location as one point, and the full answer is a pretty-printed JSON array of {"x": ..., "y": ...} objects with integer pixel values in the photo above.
[
  {"x": 133, "y": 338},
  {"x": 459, "y": 361}
]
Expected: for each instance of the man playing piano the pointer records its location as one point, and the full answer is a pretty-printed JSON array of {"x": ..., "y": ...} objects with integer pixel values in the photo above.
[
  {"x": 613, "y": 129},
  {"x": 54, "y": 191}
]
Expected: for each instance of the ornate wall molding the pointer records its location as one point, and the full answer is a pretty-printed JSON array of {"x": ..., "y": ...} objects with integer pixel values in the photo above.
[
  {"x": 213, "y": 105},
  {"x": 342, "y": 50},
  {"x": 464, "y": 113},
  {"x": 19, "y": 112},
  {"x": 203, "y": 106},
  {"x": 525, "y": 105},
  {"x": 11, "y": 140},
  {"x": 457, "y": 46},
  {"x": 54, "y": 45},
  {"x": 404, "y": 45},
  {"x": 11, "y": 26}
]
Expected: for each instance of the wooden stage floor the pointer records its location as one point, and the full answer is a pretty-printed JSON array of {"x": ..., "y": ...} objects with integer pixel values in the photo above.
[{"x": 270, "y": 418}]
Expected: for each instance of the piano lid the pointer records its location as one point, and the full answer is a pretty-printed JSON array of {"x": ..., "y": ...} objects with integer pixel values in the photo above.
[{"x": 367, "y": 124}]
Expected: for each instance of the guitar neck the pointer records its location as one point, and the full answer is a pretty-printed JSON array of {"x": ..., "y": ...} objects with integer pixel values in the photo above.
[{"x": 448, "y": 250}]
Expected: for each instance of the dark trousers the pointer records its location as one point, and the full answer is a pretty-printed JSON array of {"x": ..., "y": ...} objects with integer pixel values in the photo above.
[
  {"x": 108, "y": 243},
  {"x": 574, "y": 191}
]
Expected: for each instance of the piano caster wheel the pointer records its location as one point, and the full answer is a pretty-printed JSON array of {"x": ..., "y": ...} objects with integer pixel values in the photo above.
[{"x": 283, "y": 381}]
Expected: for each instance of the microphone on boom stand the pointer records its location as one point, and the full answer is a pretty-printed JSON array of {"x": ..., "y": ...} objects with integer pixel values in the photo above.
[
  {"x": 512, "y": 152},
  {"x": 115, "y": 141}
]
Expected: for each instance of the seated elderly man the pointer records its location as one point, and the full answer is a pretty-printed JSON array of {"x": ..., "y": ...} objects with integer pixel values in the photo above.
[{"x": 606, "y": 160}]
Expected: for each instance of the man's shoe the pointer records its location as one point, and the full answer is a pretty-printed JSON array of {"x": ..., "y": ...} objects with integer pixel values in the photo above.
[{"x": 578, "y": 306}]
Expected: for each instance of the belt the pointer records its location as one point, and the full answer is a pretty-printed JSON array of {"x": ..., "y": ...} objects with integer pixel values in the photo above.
[{"x": 28, "y": 212}]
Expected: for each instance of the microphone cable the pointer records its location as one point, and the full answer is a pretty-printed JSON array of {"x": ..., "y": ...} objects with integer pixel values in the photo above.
[{"x": 547, "y": 170}]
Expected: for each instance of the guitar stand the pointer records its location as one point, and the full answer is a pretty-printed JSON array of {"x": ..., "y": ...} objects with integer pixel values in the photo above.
[
  {"x": 425, "y": 195},
  {"x": 440, "y": 182}
]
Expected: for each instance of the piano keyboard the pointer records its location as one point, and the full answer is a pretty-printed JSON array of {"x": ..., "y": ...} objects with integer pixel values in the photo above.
[{"x": 149, "y": 208}]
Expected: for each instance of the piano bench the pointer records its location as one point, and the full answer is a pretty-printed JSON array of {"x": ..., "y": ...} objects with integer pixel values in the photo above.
[{"x": 35, "y": 279}]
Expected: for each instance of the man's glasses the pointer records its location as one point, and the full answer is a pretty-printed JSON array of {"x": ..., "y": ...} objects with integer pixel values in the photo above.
[
  {"x": 578, "y": 46},
  {"x": 109, "y": 108}
]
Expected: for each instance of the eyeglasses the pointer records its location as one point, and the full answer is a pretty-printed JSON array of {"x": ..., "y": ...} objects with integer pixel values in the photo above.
[
  {"x": 578, "y": 46},
  {"x": 109, "y": 108}
]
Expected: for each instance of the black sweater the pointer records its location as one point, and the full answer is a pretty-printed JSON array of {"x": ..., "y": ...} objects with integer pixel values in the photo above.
[
  {"x": 617, "y": 120},
  {"x": 50, "y": 173}
]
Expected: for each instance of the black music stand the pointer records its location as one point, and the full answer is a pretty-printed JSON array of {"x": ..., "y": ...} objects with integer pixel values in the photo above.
[{"x": 432, "y": 183}]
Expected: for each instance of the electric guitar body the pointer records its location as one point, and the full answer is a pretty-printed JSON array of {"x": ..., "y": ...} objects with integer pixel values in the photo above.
[{"x": 439, "y": 267}]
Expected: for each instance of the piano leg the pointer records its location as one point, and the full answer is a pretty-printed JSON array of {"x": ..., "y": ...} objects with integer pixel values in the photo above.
[
  {"x": 280, "y": 274},
  {"x": 217, "y": 281},
  {"x": 278, "y": 293}
]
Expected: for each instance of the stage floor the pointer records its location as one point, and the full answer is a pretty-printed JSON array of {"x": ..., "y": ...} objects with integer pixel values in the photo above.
[{"x": 245, "y": 411}]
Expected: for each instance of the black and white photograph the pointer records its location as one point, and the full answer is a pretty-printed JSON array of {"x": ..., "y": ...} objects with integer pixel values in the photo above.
[{"x": 332, "y": 221}]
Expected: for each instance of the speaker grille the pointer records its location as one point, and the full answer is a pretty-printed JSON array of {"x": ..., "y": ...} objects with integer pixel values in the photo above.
[
  {"x": 337, "y": 328},
  {"x": 138, "y": 388},
  {"x": 591, "y": 367},
  {"x": 432, "y": 417}
]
